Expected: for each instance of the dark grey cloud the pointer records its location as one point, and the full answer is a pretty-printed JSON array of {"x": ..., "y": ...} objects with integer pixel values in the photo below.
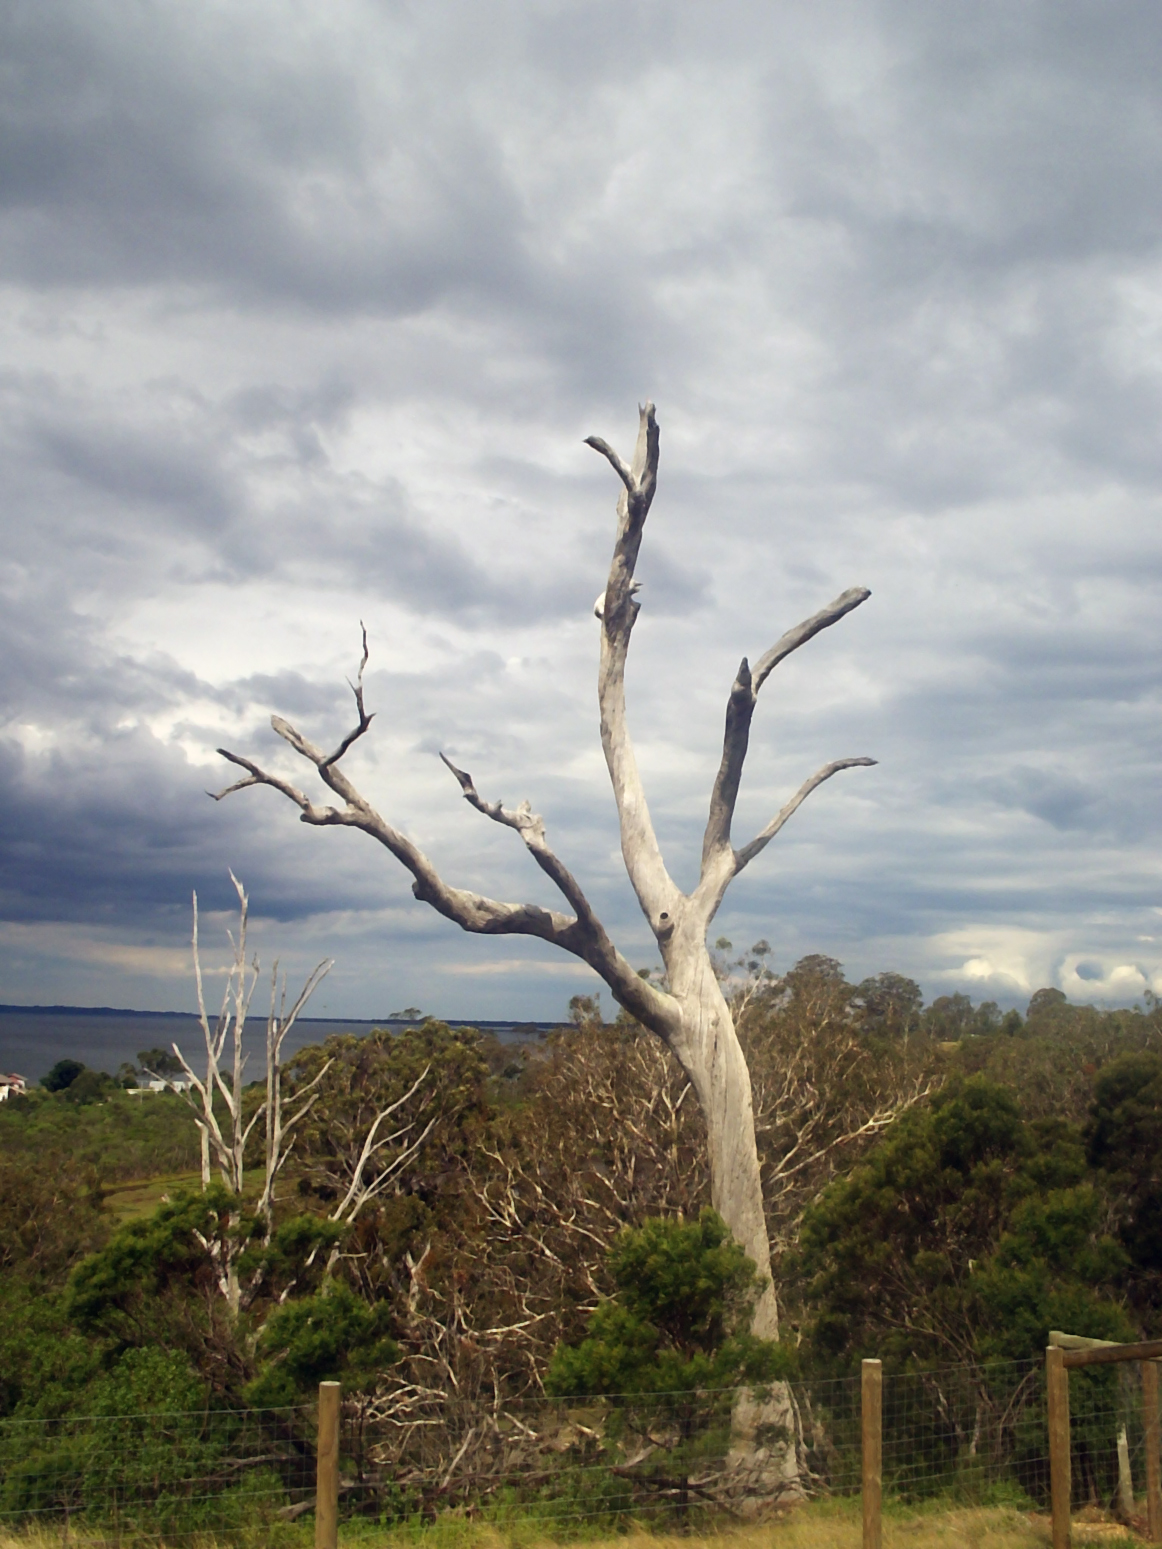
[{"x": 305, "y": 318}]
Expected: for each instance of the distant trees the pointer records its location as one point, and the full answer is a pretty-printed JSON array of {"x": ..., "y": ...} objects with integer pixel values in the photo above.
[
  {"x": 1044, "y": 1002},
  {"x": 75, "y": 1082},
  {"x": 952, "y": 1017},
  {"x": 163, "y": 1064},
  {"x": 890, "y": 1005},
  {"x": 957, "y": 1198},
  {"x": 62, "y": 1075},
  {"x": 962, "y": 1238}
]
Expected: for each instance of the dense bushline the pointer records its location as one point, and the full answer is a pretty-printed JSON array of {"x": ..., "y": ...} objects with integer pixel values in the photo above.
[
  {"x": 942, "y": 1183},
  {"x": 118, "y": 1136}
]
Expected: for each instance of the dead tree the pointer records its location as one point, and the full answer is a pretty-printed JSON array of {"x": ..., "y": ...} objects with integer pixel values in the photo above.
[
  {"x": 226, "y": 1142},
  {"x": 228, "y": 1146},
  {"x": 690, "y": 1014}
]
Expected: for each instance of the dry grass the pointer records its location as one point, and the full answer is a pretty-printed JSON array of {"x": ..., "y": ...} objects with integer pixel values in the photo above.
[
  {"x": 821, "y": 1525},
  {"x": 837, "y": 1525}
]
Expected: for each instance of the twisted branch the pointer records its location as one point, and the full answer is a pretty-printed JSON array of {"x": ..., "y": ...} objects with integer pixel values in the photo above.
[
  {"x": 580, "y": 934},
  {"x": 531, "y": 828}
]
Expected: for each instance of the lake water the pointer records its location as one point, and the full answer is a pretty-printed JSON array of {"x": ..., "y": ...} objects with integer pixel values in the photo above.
[{"x": 33, "y": 1038}]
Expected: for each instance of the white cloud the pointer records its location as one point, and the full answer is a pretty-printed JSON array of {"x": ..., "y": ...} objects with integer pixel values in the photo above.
[
  {"x": 51, "y": 942},
  {"x": 1083, "y": 978},
  {"x": 519, "y": 967}
]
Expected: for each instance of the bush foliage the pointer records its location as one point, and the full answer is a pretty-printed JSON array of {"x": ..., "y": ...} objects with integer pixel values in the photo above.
[{"x": 943, "y": 1185}]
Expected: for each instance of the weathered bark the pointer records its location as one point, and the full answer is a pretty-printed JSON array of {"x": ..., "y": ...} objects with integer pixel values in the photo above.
[
  {"x": 710, "y": 1054},
  {"x": 704, "y": 1039},
  {"x": 690, "y": 1014}
]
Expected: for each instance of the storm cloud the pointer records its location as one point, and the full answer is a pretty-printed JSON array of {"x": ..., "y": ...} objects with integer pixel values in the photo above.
[{"x": 306, "y": 312}]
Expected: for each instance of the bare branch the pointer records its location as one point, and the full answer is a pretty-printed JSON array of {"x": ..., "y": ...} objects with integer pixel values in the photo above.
[
  {"x": 619, "y": 608},
  {"x": 581, "y": 934},
  {"x": 740, "y": 709},
  {"x": 369, "y": 1147},
  {"x": 259, "y": 776},
  {"x": 845, "y": 603},
  {"x": 748, "y": 852},
  {"x": 239, "y": 987},
  {"x": 279, "y": 1143},
  {"x": 531, "y": 828},
  {"x": 364, "y": 719},
  {"x": 621, "y": 469}
]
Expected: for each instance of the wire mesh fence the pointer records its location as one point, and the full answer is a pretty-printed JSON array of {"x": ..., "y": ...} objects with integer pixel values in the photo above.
[
  {"x": 157, "y": 1475},
  {"x": 973, "y": 1435},
  {"x": 1107, "y": 1438}
]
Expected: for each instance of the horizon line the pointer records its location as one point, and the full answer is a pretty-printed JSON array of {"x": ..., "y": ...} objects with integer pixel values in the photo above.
[{"x": 127, "y": 1011}]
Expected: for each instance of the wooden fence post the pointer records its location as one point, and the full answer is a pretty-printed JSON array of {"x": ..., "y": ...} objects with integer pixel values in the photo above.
[
  {"x": 327, "y": 1472},
  {"x": 872, "y": 1425},
  {"x": 1125, "y": 1475},
  {"x": 1153, "y": 1481},
  {"x": 1060, "y": 1483}
]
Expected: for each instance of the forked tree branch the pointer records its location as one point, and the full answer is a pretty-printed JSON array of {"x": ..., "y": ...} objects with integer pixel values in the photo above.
[
  {"x": 581, "y": 934},
  {"x": 740, "y": 708},
  {"x": 618, "y": 609},
  {"x": 531, "y": 828},
  {"x": 364, "y": 719}
]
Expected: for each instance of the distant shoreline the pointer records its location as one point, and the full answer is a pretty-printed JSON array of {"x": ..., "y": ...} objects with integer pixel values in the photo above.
[
  {"x": 125, "y": 1011},
  {"x": 33, "y": 1038}
]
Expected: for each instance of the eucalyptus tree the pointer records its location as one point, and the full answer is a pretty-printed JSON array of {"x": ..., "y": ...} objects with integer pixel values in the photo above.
[{"x": 688, "y": 1012}]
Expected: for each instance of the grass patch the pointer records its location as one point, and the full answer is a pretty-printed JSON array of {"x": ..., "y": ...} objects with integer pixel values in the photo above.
[
  {"x": 125, "y": 1201},
  {"x": 819, "y": 1525}
]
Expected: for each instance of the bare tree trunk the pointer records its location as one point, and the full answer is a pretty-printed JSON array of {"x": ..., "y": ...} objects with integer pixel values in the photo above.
[
  {"x": 709, "y": 1051},
  {"x": 766, "y": 1434}
]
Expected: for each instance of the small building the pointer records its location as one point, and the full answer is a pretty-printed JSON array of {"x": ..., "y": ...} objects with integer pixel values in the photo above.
[
  {"x": 12, "y": 1086},
  {"x": 161, "y": 1084}
]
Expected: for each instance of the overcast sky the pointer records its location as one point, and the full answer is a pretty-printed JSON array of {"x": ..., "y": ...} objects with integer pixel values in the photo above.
[{"x": 306, "y": 311}]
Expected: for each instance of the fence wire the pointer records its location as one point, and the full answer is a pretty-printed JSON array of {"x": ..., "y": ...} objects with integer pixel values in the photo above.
[
  {"x": 971, "y": 1435},
  {"x": 157, "y": 1475}
]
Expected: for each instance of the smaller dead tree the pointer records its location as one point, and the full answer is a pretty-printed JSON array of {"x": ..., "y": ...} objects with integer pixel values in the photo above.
[
  {"x": 224, "y": 1138},
  {"x": 228, "y": 1148},
  {"x": 226, "y": 1122}
]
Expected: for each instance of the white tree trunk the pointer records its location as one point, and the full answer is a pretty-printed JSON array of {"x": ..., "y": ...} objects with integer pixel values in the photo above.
[{"x": 710, "y": 1053}]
